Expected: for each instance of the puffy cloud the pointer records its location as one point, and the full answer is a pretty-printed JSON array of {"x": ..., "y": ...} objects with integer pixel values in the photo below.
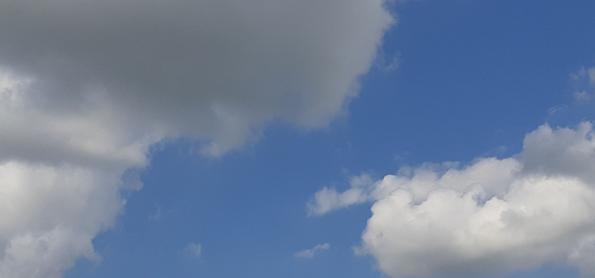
[
  {"x": 490, "y": 172},
  {"x": 454, "y": 233},
  {"x": 211, "y": 68},
  {"x": 567, "y": 152},
  {"x": 312, "y": 252},
  {"x": 50, "y": 214},
  {"x": 491, "y": 216},
  {"x": 86, "y": 87}
]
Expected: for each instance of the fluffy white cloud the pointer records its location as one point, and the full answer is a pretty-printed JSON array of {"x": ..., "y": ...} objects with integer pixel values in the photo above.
[
  {"x": 492, "y": 216},
  {"x": 454, "y": 233},
  {"x": 87, "y": 86},
  {"x": 312, "y": 252},
  {"x": 50, "y": 214}
]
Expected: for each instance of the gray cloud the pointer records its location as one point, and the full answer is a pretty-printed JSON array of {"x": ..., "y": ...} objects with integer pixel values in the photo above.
[
  {"x": 218, "y": 69},
  {"x": 87, "y": 86}
]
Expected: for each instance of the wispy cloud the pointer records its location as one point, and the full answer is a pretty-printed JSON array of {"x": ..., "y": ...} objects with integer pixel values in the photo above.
[
  {"x": 193, "y": 250},
  {"x": 584, "y": 83},
  {"x": 312, "y": 252},
  {"x": 329, "y": 199}
]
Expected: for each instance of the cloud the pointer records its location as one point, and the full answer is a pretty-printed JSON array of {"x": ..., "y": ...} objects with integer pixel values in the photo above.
[
  {"x": 328, "y": 199},
  {"x": 87, "y": 87},
  {"x": 214, "y": 69},
  {"x": 491, "y": 216},
  {"x": 156, "y": 215},
  {"x": 193, "y": 250},
  {"x": 312, "y": 252},
  {"x": 584, "y": 83},
  {"x": 50, "y": 215}
]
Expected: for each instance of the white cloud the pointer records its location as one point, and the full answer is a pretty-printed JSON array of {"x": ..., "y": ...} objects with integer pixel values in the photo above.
[
  {"x": 156, "y": 215},
  {"x": 492, "y": 216},
  {"x": 50, "y": 214},
  {"x": 86, "y": 87},
  {"x": 584, "y": 81},
  {"x": 312, "y": 252},
  {"x": 328, "y": 199},
  {"x": 193, "y": 249}
]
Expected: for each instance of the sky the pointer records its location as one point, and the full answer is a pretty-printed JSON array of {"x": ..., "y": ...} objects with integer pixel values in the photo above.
[{"x": 311, "y": 138}]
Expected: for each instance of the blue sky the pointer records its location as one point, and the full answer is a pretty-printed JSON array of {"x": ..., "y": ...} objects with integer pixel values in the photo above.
[
  {"x": 453, "y": 80},
  {"x": 473, "y": 78}
]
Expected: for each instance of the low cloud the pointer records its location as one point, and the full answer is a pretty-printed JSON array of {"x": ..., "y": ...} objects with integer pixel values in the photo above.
[
  {"x": 491, "y": 216},
  {"x": 87, "y": 87}
]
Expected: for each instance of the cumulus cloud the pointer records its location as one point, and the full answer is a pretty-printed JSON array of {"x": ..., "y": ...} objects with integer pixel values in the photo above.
[
  {"x": 312, "y": 252},
  {"x": 50, "y": 215},
  {"x": 491, "y": 216},
  {"x": 211, "y": 68},
  {"x": 87, "y": 86}
]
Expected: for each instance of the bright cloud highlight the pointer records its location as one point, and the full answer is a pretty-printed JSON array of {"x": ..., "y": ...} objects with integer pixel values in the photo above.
[{"x": 491, "y": 216}]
